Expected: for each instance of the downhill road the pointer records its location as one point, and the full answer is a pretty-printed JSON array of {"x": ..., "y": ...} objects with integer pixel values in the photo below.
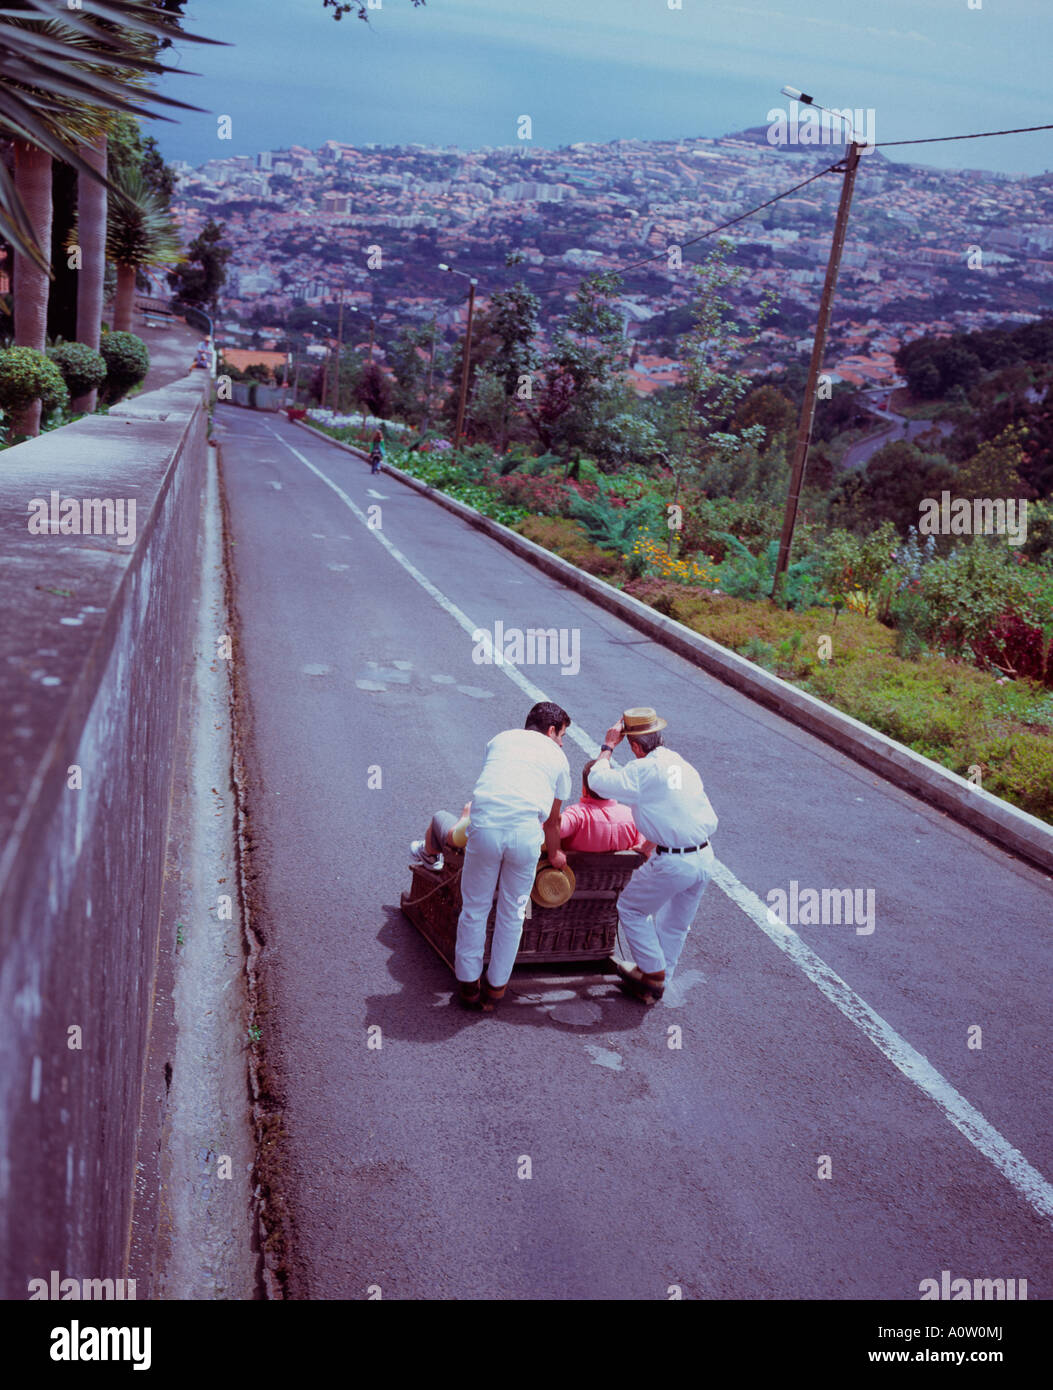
[{"x": 804, "y": 1050}]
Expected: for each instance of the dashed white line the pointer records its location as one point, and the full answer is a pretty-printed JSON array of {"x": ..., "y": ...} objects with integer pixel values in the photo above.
[{"x": 1028, "y": 1182}]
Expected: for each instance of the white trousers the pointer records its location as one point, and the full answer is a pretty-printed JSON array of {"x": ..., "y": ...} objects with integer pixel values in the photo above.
[
  {"x": 658, "y": 905},
  {"x": 504, "y": 859}
]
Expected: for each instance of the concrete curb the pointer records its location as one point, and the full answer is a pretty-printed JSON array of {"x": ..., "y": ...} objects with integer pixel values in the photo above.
[{"x": 1000, "y": 821}]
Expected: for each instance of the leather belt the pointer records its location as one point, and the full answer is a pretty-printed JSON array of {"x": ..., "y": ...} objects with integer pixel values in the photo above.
[{"x": 664, "y": 849}]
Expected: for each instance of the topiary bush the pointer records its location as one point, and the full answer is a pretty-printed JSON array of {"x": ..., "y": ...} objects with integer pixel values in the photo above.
[
  {"x": 127, "y": 362},
  {"x": 82, "y": 368},
  {"x": 27, "y": 375}
]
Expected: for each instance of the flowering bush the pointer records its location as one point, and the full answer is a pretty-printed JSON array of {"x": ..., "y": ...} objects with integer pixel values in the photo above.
[
  {"x": 545, "y": 496},
  {"x": 660, "y": 563},
  {"x": 1015, "y": 647},
  {"x": 862, "y": 572},
  {"x": 977, "y": 585}
]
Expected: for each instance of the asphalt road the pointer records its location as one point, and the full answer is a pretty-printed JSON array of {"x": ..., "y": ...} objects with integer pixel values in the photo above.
[
  {"x": 651, "y": 1165},
  {"x": 859, "y": 454}
]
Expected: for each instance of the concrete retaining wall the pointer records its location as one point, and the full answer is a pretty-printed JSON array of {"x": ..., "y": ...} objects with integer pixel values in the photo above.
[{"x": 94, "y": 635}]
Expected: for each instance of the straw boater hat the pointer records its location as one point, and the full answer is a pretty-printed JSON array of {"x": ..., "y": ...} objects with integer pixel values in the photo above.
[
  {"x": 642, "y": 721},
  {"x": 552, "y": 887}
]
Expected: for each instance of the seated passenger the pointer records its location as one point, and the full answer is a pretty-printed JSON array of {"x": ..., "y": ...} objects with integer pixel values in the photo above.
[
  {"x": 439, "y": 837},
  {"x": 597, "y": 824}
]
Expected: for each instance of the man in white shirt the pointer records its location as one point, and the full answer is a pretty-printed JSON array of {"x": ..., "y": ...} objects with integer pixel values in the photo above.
[
  {"x": 672, "y": 811},
  {"x": 515, "y": 808}
]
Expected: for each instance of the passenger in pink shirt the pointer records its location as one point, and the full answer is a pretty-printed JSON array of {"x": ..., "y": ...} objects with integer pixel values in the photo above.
[{"x": 596, "y": 824}]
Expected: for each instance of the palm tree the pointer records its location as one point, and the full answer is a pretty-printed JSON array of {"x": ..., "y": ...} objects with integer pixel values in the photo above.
[
  {"x": 58, "y": 78},
  {"x": 50, "y": 68},
  {"x": 91, "y": 225},
  {"x": 139, "y": 233},
  {"x": 30, "y": 297}
]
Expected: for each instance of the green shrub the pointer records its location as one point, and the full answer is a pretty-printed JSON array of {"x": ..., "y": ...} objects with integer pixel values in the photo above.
[
  {"x": 83, "y": 369},
  {"x": 127, "y": 362},
  {"x": 862, "y": 570},
  {"x": 616, "y": 527},
  {"x": 760, "y": 653},
  {"x": 748, "y": 576},
  {"x": 567, "y": 539},
  {"x": 27, "y": 375},
  {"x": 973, "y": 586}
]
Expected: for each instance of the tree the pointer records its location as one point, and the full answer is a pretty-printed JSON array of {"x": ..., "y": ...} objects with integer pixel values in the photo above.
[
  {"x": 200, "y": 278},
  {"x": 358, "y": 8},
  {"x": 139, "y": 233},
  {"x": 769, "y": 408},
  {"x": 581, "y": 375},
  {"x": 61, "y": 72},
  {"x": 416, "y": 370},
  {"x": 62, "y": 78},
  {"x": 891, "y": 487},
  {"x": 993, "y": 471},
  {"x": 700, "y": 434},
  {"x": 91, "y": 235},
  {"x": 374, "y": 390},
  {"x": 513, "y": 324}
]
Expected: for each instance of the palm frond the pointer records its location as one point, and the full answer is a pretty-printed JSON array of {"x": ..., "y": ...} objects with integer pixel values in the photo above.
[{"x": 61, "y": 70}]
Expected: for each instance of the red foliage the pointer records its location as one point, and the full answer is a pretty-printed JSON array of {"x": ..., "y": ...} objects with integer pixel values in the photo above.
[
  {"x": 1016, "y": 648},
  {"x": 546, "y": 496}
]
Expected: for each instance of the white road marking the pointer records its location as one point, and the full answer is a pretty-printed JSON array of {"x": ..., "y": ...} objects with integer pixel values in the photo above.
[
  {"x": 379, "y": 495},
  {"x": 1026, "y": 1179}
]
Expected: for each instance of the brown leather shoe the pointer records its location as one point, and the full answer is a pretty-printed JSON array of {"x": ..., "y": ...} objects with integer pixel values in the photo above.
[
  {"x": 470, "y": 993},
  {"x": 492, "y": 994},
  {"x": 634, "y": 982}
]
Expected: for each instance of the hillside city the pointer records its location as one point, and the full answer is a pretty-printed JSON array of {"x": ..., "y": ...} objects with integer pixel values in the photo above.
[{"x": 928, "y": 251}]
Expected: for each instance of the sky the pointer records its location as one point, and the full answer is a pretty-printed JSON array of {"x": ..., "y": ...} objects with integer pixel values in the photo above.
[{"x": 462, "y": 72}]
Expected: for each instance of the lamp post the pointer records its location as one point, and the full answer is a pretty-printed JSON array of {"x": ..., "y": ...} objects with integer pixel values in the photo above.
[
  {"x": 472, "y": 282},
  {"x": 325, "y": 364},
  {"x": 431, "y": 368},
  {"x": 352, "y": 309},
  {"x": 807, "y": 417}
]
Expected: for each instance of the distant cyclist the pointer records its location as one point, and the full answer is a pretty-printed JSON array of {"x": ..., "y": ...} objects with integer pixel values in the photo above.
[{"x": 376, "y": 456}]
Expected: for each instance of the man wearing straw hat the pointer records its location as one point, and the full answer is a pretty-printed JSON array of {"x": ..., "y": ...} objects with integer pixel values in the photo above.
[
  {"x": 671, "y": 809},
  {"x": 515, "y": 809}
]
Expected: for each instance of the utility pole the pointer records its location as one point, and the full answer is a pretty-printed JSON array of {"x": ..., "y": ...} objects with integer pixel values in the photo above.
[
  {"x": 431, "y": 368},
  {"x": 804, "y": 428},
  {"x": 339, "y": 355},
  {"x": 472, "y": 282},
  {"x": 464, "y": 372}
]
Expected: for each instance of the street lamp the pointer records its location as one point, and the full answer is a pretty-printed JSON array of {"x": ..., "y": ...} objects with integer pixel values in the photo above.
[
  {"x": 472, "y": 282},
  {"x": 340, "y": 349},
  {"x": 807, "y": 417},
  {"x": 315, "y": 323},
  {"x": 806, "y": 100}
]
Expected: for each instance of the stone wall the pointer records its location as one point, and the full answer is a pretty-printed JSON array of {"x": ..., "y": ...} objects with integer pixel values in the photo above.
[{"x": 94, "y": 634}]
